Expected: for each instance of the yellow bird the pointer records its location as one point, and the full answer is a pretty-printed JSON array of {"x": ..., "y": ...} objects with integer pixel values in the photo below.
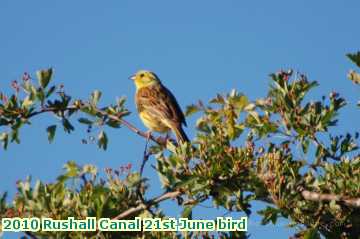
[{"x": 157, "y": 106}]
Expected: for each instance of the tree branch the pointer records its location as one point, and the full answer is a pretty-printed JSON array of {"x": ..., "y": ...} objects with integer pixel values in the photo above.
[
  {"x": 142, "y": 206},
  {"x": 318, "y": 197},
  {"x": 132, "y": 127},
  {"x": 103, "y": 113}
]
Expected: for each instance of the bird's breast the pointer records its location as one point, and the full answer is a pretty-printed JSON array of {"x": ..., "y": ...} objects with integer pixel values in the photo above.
[{"x": 153, "y": 123}]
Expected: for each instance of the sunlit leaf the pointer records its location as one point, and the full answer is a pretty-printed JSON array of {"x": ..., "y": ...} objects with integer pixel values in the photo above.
[{"x": 44, "y": 77}]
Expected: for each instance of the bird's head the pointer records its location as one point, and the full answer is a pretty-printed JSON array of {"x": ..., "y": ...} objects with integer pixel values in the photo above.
[{"x": 145, "y": 78}]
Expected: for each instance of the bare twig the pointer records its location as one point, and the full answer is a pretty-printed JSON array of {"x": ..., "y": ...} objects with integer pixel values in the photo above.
[
  {"x": 154, "y": 201},
  {"x": 318, "y": 197},
  {"x": 138, "y": 189}
]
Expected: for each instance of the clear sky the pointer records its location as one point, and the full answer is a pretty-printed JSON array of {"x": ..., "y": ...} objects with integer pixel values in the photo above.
[{"x": 197, "y": 48}]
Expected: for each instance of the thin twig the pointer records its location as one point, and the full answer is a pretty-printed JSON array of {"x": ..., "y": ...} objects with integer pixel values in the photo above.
[
  {"x": 146, "y": 155},
  {"x": 154, "y": 201},
  {"x": 138, "y": 189}
]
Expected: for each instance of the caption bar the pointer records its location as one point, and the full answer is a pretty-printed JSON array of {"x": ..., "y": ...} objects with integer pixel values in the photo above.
[{"x": 34, "y": 224}]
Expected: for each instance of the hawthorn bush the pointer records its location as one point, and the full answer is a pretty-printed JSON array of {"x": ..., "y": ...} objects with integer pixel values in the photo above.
[{"x": 278, "y": 150}]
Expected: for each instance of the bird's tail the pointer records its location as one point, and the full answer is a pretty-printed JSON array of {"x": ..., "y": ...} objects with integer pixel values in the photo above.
[{"x": 180, "y": 134}]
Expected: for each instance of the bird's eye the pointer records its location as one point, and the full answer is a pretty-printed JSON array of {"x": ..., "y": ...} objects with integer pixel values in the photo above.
[{"x": 142, "y": 75}]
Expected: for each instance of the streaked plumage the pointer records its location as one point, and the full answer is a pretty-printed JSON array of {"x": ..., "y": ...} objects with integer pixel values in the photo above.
[{"x": 157, "y": 106}]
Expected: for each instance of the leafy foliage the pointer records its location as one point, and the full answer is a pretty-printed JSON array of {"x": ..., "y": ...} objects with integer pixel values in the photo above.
[{"x": 278, "y": 150}]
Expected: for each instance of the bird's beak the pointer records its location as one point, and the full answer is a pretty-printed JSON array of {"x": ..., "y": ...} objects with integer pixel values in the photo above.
[{"x": 132, "y": 77}]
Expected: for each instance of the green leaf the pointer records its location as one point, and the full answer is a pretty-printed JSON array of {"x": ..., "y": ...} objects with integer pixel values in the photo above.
[
  {"x": 311, "y": 234},
  {"x": 4, "y": 137},
  {"x": 95, "y": 97},
  {"x": 102, "y": 140},
  {"x": 354, "y": 57},
  {"x": 241, "y": 101},
  {"x": 113, "y": 123},
  {"x": 44, "y": 77},
  {"x": 72, "y": 169},
  {"x": 15, "y": 136},
  {"x": 121, "y": 101},
  {"x": 85, "y": 121},
  {"x": 219, "y": 99},
  {"x": 187, "y": 212},
  {"x": 334, "y": 206},
  {"x": 191, "y": 109},
  {"x": 27, "y": 86},
  {"x": 67, "y": 125},
  {"x": 40, "y": 94},
  {"x": 269, "y": 214},
  {"x": 27, "y": 102},
  {"x": 50, "y": 91},
  {"x": 88, "y": 168},
  {"x": 305, "y": 145},
  {"x": 51, "y": 132}
]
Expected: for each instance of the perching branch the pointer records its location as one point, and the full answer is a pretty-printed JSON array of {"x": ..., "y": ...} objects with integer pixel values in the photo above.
[
  {"x": 132, "y": 127},
  {"x": 103, "y": 113}
]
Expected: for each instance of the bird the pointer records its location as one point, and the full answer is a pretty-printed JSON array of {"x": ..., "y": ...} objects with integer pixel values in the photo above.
[{"x": 157, "y": 106}]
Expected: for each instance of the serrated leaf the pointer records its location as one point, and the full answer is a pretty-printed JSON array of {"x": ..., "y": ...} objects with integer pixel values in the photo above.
[
  {"x": 44, "y": 77},
  {"x": 51, "y": 132}
]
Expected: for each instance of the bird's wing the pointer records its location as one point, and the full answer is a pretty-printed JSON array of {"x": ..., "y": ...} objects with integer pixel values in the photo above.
[
  {"x": 175, "y": 106},
  {"x": 159, "y": 102}
]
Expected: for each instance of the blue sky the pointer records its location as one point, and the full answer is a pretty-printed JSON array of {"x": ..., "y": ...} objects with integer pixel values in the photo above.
[{"x": 198, "y": 48}]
